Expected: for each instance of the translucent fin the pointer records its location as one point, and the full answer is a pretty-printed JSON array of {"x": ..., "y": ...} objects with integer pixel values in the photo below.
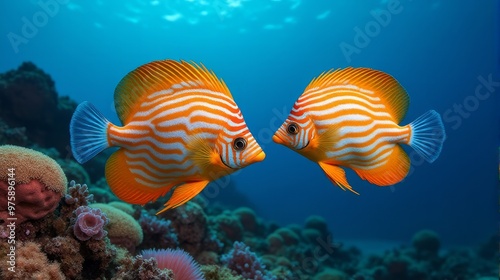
[
  {"x": 428, "y": 135},
  {"x": 337, "y": 176},
  {"x": 124, "y": 185},
  {"x": 394, "y": 171},
  {"x": 183, "y": 194},
  {"x": 88, "y": 132}
]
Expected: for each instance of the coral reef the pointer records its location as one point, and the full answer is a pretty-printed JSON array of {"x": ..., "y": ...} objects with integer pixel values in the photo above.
[
  {"x": 60, "y": 231},
  {"x": 33, "y": 114},
  {"x": 28, "y": 99},
  {"x": 33, "y": 264},
  {"x": 426, "y": 243},
  {"x": 137, "y": 268}
]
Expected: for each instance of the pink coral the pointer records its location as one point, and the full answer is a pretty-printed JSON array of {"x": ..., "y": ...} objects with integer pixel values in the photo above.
[
  {"x": 181, "y": 263},
  {"x": 89, "y": 223},
  {"x": 33, "y": 201}
]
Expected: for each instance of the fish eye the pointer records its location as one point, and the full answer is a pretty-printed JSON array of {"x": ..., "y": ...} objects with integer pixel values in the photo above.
[
  {"x": 239, "y": 144},
  {"x": 292, "y": 128}
]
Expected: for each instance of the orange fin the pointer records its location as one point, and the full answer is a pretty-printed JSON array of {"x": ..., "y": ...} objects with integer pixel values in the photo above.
[
  {"x": 123, "y": 184},
  {"x": 394, "y": 171},
  {"x": 337, "y": 176},
  {"x": 318, "y": 146},
  {"x": 162, "y": 75},
  {"x": 183, "y": 194},
  {"x": 383, "y": 84},
  {"x": 206, "y": 158}
]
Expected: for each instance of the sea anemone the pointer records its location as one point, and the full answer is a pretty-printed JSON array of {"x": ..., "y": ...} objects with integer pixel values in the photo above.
[{"x": 181, "y": 263}]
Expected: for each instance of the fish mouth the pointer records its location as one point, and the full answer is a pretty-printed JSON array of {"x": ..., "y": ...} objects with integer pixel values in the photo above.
[
  {"x": 221, "y": 160},
  {"x": 259, "y": 157},
  {"x": 304, "y": 146},
  {"x": 278, "y": 140}
]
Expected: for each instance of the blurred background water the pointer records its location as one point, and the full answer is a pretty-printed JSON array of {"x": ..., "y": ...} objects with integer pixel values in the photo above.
[{"x": 267, "y": 52}]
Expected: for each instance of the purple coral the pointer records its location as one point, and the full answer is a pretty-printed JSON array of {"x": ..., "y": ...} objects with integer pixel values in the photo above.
[
  {"x": 89, "y": 223},
  {"x": 246, "y": 263}
]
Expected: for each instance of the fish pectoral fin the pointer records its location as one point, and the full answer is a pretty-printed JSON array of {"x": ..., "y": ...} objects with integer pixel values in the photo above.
[
  {"x": 326, "y": 140},
  {"x": 337, "y": 176},
  {"x": 201, "y": 153},
  {"x": 124, "y": 185},
  {"x": 183, "y": 194},
  {"x": 393, "y": 171}
]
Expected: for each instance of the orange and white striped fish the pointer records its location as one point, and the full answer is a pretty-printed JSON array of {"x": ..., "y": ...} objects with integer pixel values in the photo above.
[
  {"x": 181, "y": 130},
  {"x": 349, "y": 118}
]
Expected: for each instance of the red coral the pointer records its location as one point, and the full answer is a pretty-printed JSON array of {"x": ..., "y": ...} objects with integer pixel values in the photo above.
[{"x": 32, "y": 201}]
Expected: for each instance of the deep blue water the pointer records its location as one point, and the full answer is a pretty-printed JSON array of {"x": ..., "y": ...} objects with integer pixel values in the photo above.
[{"x": 267, "y": 52}]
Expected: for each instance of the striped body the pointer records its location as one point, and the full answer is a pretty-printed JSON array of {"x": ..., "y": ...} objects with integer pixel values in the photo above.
[
  {"x": 350, "y": 118},
  {"x": 182, "y": 130},
  {"x": 366, "y": 131},
  {"x": 156, "y": 138}
]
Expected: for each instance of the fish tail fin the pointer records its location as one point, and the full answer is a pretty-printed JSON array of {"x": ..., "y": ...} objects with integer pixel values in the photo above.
[
  {"x": 427, "y": 135},
  {"x": 88, "y": 132}
]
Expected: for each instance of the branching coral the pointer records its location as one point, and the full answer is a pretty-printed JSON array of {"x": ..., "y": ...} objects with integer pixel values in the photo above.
[{"x": 78, "y": 195}]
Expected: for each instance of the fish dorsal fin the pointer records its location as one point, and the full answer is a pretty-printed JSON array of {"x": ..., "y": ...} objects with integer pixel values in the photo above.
[
  {"x": 384, "y": 85},
  {"x": 162, "y": 75}
]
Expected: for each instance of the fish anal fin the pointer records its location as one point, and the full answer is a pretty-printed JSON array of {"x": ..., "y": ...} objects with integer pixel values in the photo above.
[
  {"x": 159, "y": 76},
  {"x": 384, "y": 85},
  {"x": 393, "y": 172},
  {"x": 124, "y": 185},
  {"x": 337, "y": 176},
  {"x": 183, "y": 194}
]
